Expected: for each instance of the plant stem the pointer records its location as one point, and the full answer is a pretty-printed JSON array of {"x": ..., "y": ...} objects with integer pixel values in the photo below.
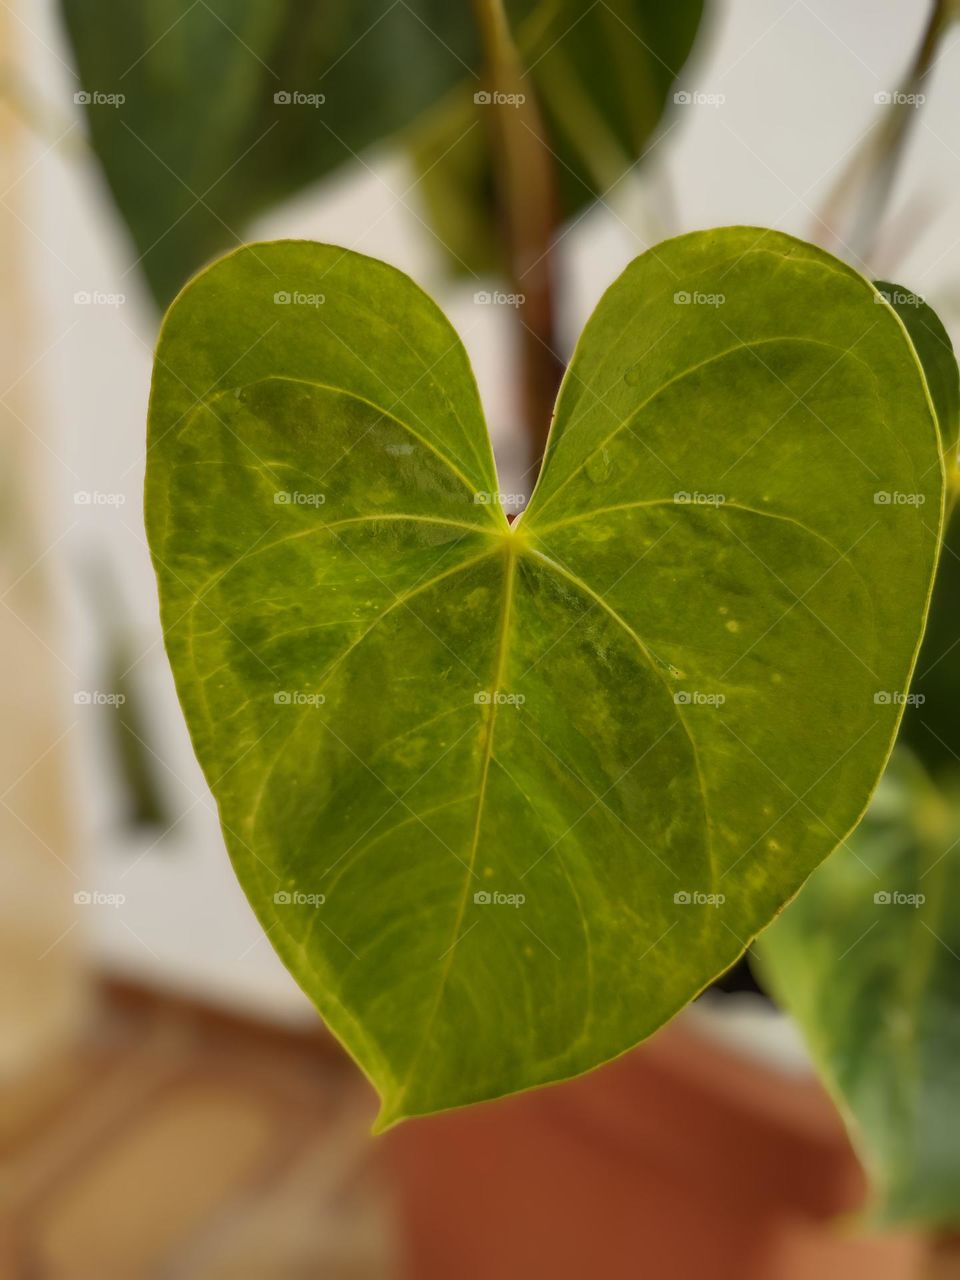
[
  {"x": 943, "y": 1258},
  {"x": 868, "y": 180},
  {"x": 528, "y": 210}
]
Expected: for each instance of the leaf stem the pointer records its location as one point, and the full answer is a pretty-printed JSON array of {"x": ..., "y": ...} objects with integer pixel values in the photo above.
[
  {"x": 526, "y": 189},
  {"x": 866, "y": 184},
  {"x": 943, "y": 1257}
]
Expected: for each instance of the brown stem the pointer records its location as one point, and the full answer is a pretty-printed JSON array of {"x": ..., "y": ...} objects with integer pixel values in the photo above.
[
  {"x": 943, "y": 1258},
  {"x": 868, "y": 180},
  {"x": 526, "y": 192}
]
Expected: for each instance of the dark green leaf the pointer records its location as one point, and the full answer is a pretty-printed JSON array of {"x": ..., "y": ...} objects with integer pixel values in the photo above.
[
  {"x": 200, "y": 144},
  {"x": 933, "y": 346},
  {"x": 868, "y": 962},
  {"x": 649, "y": 709},
  {"x": 931, "y": 727}
]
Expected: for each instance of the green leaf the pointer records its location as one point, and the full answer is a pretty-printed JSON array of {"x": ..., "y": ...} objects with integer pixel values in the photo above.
[
  {"x": 930, "y": 725},
  {"x": 550, "y": 779},
  {"x": 868, "y": 962},
  {"x": 935, "y": 350},
  {"x": 868, "y": 957},
  {"x": 602, "y": 77},
  {"x": 199, "y": 145}
]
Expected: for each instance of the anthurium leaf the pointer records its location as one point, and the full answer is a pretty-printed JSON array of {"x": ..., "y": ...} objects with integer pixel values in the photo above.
[
  {"x": 506, "y": 798},
  {"x": 228, "y": 105},
  {"x": 868, "y": 962},
  {"x": 930, "y": 723},
  {"x": 602, "y": 76},
  {"x": 933, "y": 346}
]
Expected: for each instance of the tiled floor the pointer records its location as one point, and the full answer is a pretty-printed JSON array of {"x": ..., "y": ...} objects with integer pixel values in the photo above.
[{"x": 176, "y": 1145}]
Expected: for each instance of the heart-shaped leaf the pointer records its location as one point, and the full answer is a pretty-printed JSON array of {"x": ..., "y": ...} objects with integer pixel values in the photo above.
[{"x": 505, "y": 799}]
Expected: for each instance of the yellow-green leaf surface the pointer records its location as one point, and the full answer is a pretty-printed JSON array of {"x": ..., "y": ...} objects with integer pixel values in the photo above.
[
  {"x": 506, "y": 798},
  {"x": 868, "y": 961}
]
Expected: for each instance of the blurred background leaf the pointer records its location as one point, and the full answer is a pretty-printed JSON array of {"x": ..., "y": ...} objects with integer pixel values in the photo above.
[
  {"x": 933, "y": 346},
  {"x": 867, "y": 960},
  {"x": 930, "y": 726},
  {"x": 201, "y": 145}
]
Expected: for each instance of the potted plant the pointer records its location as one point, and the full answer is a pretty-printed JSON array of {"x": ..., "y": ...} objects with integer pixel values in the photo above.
[{"x": 507, "y": 796}]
